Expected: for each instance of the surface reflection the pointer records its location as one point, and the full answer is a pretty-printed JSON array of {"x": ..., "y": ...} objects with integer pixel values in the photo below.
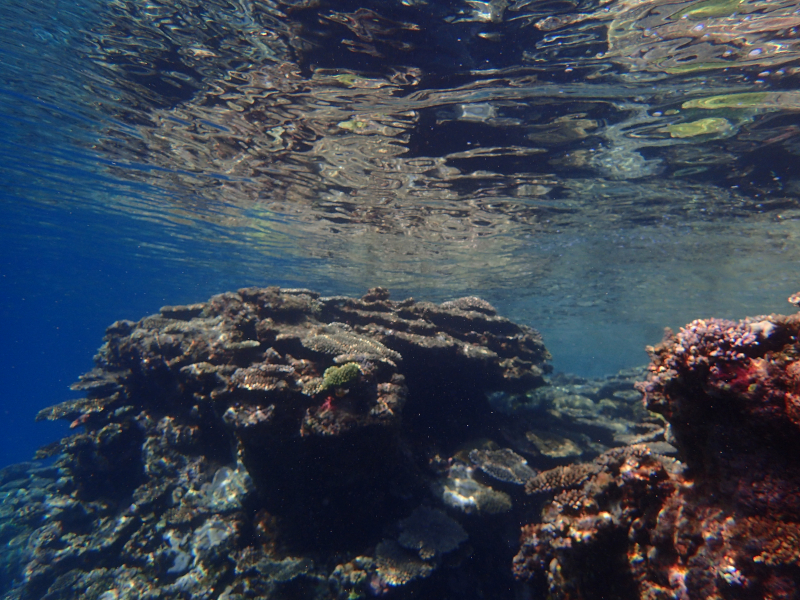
[{"x": 621, "y": 160}]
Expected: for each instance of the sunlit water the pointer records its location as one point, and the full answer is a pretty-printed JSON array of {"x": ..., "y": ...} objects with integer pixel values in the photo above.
[{"x": 596, "y": 170}]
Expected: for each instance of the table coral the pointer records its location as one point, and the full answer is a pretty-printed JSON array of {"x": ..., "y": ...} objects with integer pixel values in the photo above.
[
  {"x": 460, "y": 490},
  {"x": 430, "y": 533},
  {"x": 503, "y": 464}
]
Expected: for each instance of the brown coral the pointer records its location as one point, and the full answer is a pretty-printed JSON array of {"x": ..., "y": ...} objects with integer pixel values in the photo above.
[
  {"x": 730, "y": 393},
  {"x": 308, "y": 397},
  {"x": 561, "y": 478},
  {"x": 602, "y": 502}
]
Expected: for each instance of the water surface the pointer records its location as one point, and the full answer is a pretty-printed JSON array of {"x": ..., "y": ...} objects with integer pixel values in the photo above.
[{"x": 598, "y": 170}]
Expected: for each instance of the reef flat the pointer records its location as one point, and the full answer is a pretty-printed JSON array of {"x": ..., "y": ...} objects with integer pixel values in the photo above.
[{"x": 274, "y": 443}]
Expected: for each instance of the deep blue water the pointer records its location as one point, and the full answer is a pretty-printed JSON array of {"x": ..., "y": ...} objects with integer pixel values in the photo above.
[{"x": 62, "y": 285}]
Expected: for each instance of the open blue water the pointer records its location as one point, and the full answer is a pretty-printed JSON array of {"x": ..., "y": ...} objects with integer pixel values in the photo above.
[{"x": 149, "y": 158}]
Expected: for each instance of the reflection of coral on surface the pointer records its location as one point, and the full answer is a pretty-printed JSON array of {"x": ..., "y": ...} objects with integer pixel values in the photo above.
[{"x": 630, "y": 524}]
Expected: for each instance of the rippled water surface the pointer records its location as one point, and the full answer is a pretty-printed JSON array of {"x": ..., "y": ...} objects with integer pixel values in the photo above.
[{"x": 597, "y": 169}]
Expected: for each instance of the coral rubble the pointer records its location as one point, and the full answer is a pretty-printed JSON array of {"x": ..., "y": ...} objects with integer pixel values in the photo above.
[{"x": 635, "y": 524}]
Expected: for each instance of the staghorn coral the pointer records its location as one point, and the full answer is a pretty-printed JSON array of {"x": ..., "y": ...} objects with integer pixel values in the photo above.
[
  {"x": 561, "y": 478},
  {"x": 574, "y": 502}
]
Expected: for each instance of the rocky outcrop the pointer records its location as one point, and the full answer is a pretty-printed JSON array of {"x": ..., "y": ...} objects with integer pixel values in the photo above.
[
  {"x": 635, "y": 524},
  {"x": 266, "y": 442}
]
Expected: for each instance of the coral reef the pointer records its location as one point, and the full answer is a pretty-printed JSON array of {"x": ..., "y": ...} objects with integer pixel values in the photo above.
[
  {"x": 577, "y": 418},
  {"x": 579, "y": 548},
  {"x": 731, "y": 391},
  {"x": 267, "y": 443},
  {"x": 724, "y": 522},
  {"x": 278, "y": 444}
]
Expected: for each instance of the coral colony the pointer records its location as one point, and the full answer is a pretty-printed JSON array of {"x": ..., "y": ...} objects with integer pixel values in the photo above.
[{"x": 274, "y": 443}]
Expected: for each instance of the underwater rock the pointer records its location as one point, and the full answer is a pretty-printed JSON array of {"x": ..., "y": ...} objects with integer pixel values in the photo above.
[
  {"x": 470, "y": 303},
  {"x": 244, "y": 446},
  {"x": 636, "y": 524}
]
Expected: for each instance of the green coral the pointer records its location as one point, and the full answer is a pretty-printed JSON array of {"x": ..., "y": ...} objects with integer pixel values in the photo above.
[{"x": 335, "y": 377}]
